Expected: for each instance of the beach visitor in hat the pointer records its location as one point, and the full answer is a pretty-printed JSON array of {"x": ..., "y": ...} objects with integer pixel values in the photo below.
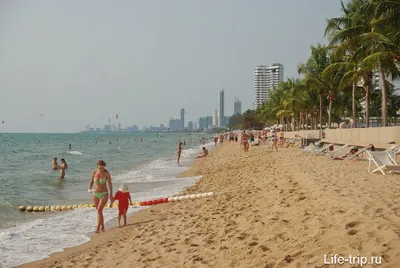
[
  {"x": 124, "y": 199},
  {"x": 54, "y": 163}
]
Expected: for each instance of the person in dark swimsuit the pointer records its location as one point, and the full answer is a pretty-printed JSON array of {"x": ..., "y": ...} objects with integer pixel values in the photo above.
[{"x": 99, "y": 178}]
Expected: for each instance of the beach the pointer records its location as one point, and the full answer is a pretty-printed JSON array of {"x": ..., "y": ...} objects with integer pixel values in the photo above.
[{"x": 272, "y": 210}]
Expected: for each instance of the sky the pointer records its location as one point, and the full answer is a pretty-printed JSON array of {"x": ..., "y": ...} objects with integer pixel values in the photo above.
[{"x": 83, "y": 62}]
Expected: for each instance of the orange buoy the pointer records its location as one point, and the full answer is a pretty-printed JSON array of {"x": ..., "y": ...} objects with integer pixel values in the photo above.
[{"x": 165, "y": 200}]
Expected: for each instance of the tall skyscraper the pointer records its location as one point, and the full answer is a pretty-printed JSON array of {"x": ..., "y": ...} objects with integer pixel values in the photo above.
[
  {"x": 221, "y": 109},
  {"x": 215, "y": 118},
  {"x": 109, "y": 122},
  {"x": 183, "y": 118},
  {"x": 237, "y": 106},
  {"x": 266, "y": 78}
]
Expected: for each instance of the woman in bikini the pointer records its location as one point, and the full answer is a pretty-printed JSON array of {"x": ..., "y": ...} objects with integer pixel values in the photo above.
[
  {"x": 100, "y": 177},
  {"x": 63, "y": 167}
]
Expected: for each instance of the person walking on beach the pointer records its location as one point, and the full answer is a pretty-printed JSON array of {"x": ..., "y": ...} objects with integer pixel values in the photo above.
[
  {"x": 274, "y": 141},
  {"x": 54, "y": 164},
  {"x": 179, "y": 151},
  {"x": 99, "y": 178},
  {"x": 215, "y": 141},
  {"x": 63, "y": 167},
  {"x": 281, "y": 138},
  {"x": 124, "y": 200},
  {"x": 221, "y": 139},
  {"x": 245, "y": 141}
]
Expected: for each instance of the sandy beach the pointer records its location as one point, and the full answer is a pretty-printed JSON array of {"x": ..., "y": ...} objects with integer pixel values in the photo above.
[{"x": 272, "y": 210}]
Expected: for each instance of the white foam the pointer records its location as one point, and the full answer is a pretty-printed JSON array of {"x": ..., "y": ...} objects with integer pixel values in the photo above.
[{"x": 75, "y": 152}]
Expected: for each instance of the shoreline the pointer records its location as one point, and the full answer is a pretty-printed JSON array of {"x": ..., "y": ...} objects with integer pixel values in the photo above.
[
  {"x": 282, "y": 209},
  {"x": 141, "y": 216}
]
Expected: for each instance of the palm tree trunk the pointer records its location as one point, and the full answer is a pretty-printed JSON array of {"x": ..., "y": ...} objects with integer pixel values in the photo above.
[
  {"x": 367, "y": 103},
  {"x": 320, "y": 115},
  {"x": 354, "y": 103},
  {"x": 330, "y": 113},
  {"x": 384, "y": 94}
]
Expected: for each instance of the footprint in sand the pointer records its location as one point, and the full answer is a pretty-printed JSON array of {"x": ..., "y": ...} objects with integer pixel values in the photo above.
[
  {"x": 351, "y": 224},
  {"x": 352, "y": 232}
]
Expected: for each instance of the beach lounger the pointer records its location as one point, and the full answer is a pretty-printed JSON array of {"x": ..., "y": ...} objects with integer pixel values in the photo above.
[
  {"x": 394, "y": 150},
  {"x": 323, "y": 149},
  {"x": 383, "y": 161},
  {"x": 358, "y": 153},
  {"x": 339, "y": 152}
]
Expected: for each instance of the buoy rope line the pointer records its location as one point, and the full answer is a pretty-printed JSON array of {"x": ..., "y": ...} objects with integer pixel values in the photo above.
[{"x": 134, "y": 204}]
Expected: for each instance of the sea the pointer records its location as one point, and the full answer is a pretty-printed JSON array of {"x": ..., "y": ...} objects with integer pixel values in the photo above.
[{"x": 146, "y": 162}]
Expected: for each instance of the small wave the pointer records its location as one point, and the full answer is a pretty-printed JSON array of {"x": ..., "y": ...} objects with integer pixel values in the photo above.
[{"x": 74, "y": 152}]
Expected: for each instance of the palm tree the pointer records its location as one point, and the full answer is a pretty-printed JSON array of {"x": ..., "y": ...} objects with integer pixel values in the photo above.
[{"x": 312, "y": 71}]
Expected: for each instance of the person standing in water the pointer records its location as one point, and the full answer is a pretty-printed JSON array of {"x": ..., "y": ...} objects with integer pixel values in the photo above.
[
  {"x": 99, "y": 178},
  {"x": 179, "y": 151},
  {"x": 54, "y": 164},
  {"x": 70, "y": 147},
  {"x": 63, "y": 167}
]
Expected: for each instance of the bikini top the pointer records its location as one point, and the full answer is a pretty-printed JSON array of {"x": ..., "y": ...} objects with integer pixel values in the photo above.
[{"x": 101, "y": 181}]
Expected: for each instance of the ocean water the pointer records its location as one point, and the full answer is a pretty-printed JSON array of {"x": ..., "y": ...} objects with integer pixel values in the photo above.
[{"x": 26, "y": 178}]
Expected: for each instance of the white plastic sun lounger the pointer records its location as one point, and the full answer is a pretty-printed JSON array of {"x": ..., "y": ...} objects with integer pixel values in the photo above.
[
  {"x": 322, "y": 150},
  {"x": 383, "y": 161},
  {"x": 394, "y": 150},
  {"x": 339, "y": 152}
]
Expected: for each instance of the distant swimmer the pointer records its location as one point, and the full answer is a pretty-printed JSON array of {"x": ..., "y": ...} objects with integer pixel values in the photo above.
[
  {"x": 179, "y": 151},
  {"x": 54, "y": 163},
  {"x": 63, "y": 167},
  {"x": 70, "y": 147}
]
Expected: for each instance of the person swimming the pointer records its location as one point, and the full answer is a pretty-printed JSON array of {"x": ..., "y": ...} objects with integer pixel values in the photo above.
[
  {"x": 54, "y": 163},
  {"x": 62, "y": 168}
]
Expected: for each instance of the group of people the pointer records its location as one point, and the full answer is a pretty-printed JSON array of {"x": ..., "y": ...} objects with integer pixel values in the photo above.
[{"x": 61, "y": 167}]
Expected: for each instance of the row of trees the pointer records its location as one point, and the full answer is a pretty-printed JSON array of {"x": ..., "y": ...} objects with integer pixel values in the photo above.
[{"x": 347, "y": 78}]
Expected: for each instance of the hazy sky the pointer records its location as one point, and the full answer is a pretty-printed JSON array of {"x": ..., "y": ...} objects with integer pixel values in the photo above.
[{"x": 82, "y": 62}]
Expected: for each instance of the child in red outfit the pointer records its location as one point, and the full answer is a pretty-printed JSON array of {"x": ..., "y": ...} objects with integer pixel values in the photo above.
[{"x": 124, "y": 199}]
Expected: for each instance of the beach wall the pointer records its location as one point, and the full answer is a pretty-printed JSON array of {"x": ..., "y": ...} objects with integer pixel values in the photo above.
[{"x": 378, "y": 136}]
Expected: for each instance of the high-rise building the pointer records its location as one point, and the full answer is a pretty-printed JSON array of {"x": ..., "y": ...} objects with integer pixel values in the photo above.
[
  {"x": 266, "y": 78},
  {"x": 205, "y": 122},
  {"x": 221, "y": 109},
  {"x": 109, "y": 123},
  {"x": 195, "y": 125},
  {"x": 190, "y": 125},
  {"x": 119, "y": 126},
  {"x": 175, "y": 124},
  {"x": 237, "y": 106},
  {"x": 183, "y": 118},
  {"x": 215, "y": 118}
]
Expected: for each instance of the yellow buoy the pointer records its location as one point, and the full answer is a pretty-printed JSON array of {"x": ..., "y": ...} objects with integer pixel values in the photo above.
[
  {"x": 69, "y": 207},
  {"x": 52, "y": 208},
  {"x": 63, "y": 207},
  {"x": 58, "y": 208},
  {"x": 80, "y": 206},
  {"x": 92, "y": 205},
  {"x": 85, "y": 206},
  {"x": 74, "y": 206},
  {"x": 47, "y": 208},
  {"x": 29, "y": 208},
  {"x": 41, "y": 209},
  {"x": 22, "y": 208},
  {"x": 36, "y": 209}
]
